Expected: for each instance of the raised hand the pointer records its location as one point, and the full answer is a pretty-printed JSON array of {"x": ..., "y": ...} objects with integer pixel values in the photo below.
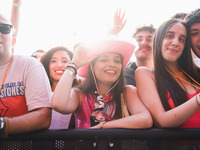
[
  {"x": 82, "y": 55},
  {"x": 118, "y": 23}
]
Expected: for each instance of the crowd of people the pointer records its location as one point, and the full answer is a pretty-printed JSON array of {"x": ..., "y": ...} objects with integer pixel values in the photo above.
[{"x": 97, "y": 86}]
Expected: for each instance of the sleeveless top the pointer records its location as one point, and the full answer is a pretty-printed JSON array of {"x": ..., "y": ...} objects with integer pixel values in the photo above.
[
  {"x": 86, "y": 108},
  {"x": 194, "y": 120}
]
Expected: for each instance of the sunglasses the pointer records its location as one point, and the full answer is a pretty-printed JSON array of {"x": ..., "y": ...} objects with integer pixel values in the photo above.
[{"x": 5, "y": 28}]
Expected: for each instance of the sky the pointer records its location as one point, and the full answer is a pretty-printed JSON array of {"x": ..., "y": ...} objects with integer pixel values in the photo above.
[{"x": 48, "y": 23}]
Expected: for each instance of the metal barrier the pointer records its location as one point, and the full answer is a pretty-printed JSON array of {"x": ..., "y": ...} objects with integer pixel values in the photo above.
[{"x": 105, "y": 139}]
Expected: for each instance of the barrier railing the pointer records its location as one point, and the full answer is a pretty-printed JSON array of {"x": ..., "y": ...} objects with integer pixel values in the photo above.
[{"x": 105, "y": 139}]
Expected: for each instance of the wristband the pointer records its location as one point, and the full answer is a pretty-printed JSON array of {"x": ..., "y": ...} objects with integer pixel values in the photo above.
[
  {"x": 16, "y": 4},
  {"x": 5, "y": 131},
  {"x": 2, "y": 126},
  {"x": 2, "y": 123},
  {"x": 67, "y": 71},
  {"x": 75, "y": 71}
]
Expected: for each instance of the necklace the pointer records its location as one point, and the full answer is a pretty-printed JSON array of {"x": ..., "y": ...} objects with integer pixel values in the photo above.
[
  {"x": 101, "y": 100},
  {"x": 184, "y": 79},
  {"x": 5, "y": 74}
]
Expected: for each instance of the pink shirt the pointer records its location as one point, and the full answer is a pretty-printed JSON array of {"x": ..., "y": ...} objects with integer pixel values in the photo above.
[
  {"x": 26, "y": 87},
  {"x": 87, "y": 106}
]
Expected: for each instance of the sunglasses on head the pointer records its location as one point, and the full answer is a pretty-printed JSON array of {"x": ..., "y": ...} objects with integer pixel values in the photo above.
[{"x": 5, "y": 28}]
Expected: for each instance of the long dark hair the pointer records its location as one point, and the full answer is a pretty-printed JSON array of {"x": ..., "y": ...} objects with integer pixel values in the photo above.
[
  {"x": 164, "y": 80},
  {"x": 47, "y": 57},
  {"x": 89, "y": 87},
  {"x": 191, "y": 19}
]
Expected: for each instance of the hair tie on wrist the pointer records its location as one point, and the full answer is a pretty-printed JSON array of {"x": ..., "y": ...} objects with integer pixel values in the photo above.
[{"x": 73, "y": 64}]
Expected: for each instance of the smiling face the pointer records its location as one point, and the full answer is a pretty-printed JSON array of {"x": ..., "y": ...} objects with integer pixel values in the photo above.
[
  {"x": 195, "y": 38},
  {"x": 144, "y": 40},
  {"x": 107, "y": 68},
  {"x": 174, "y": 42},
  {"x": 7, "y": 42},
  {"x": 58, "y": 64}
]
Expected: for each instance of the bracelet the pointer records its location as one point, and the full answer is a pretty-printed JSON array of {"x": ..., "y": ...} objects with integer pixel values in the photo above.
[
  {"x": 16, "y": 4},
  {"x": 102, "y": 124},
  {"x": 4, "y": 127},
  {"x": 73, "y": 64},
  {"x": 197, "y": 100},
  {"x": 75, "y": 71},
  {"x": 5, "y": 132}
]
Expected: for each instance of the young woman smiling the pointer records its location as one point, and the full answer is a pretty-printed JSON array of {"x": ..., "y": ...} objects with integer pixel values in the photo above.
[
  {"x": 171, "y": 90},
  {"x": 102, "y": 101},
  {"x": 55, "y": 62}
]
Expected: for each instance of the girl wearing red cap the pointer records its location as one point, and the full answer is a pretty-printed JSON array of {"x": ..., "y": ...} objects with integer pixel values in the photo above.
[{"x": 102, "y": 101}]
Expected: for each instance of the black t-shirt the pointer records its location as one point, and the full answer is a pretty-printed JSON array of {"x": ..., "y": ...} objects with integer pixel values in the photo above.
[{"x": 129, "y": 73}]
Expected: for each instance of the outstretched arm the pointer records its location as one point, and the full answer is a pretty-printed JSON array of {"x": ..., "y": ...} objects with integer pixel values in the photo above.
[{"x": 15, "y": 15}]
